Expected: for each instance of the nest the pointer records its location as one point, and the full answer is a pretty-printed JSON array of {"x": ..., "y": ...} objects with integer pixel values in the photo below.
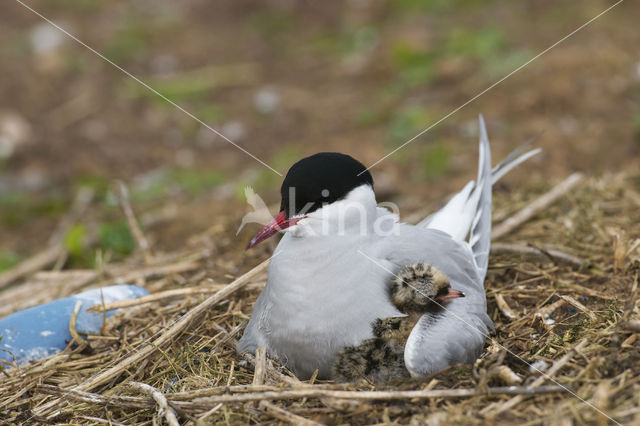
[{"x": 562, "y": 289}]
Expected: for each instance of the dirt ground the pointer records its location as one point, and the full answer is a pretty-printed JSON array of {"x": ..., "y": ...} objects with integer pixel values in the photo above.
[
  {"x": 284, "y": 79},
  {"x": 287, "y": 79}
]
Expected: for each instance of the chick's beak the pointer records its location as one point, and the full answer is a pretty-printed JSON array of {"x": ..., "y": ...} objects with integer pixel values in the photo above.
[
  {"x": 279, "y": 223},
  {"x": 451, "y": 294}
]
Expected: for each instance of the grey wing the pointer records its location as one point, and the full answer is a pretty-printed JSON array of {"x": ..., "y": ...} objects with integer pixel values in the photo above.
[
  {"x": 253, "y": 336},
  {"x": 457, "y": 333},
  {"x": 439, "y": 340}
]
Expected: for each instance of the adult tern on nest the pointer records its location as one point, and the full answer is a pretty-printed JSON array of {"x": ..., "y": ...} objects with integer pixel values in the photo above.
[{"x": 350, "y": 284}]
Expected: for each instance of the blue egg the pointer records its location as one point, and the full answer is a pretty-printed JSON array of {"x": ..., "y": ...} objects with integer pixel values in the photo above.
[{"x": 42, "y": 330}]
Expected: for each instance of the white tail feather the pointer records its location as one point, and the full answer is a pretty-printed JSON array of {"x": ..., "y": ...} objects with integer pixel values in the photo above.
[
  {"x": 467, "y": 215},
  {"x": 481, "y": 229}
]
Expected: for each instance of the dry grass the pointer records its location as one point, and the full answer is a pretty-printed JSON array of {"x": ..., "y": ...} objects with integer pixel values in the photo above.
[{"x": 562, "y": 289}]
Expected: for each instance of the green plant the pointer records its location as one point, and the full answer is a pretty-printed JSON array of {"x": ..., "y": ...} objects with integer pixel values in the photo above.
[
  {"x": 414, "y": 65},
  {"x": 116, "y": 237},
  {"x": 435, "y": 161},
  {"x": 480, "y": 44},
  {"x": 407, "y": 122},
  {"x": 8, "y": 259},
  {"x": 127, "y": 43},
  {"x": 197, "y": 181},
  {"x": 75, "y": 240}
]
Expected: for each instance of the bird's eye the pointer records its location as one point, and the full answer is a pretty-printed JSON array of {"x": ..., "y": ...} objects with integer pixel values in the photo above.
[{"x": 443, "y": 291}]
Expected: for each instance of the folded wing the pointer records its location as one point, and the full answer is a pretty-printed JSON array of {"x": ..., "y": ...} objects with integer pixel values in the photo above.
[{"x": 456, "y": 334}]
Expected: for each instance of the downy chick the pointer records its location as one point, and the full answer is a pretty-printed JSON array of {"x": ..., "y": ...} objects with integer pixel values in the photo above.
[{"x": 415, "y": 290}]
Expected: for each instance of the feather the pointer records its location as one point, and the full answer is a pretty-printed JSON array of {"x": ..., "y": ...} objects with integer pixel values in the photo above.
[{"x": 467, "y": 215}]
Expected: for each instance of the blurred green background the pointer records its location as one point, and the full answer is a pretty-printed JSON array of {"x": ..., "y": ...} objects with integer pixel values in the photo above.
[{"x": 285, "y": 79}]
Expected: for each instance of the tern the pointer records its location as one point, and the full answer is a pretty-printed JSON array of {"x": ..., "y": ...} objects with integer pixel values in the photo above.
[{"x": 332, "y": 275}]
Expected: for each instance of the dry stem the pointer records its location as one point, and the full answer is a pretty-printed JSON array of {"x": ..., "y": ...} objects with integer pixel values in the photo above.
[
  {"x": 261, "y": 366},
  {"x": 527, "y": 250},
  {"x": 539, "y": 204},
  {"x": 164, "y": 339},
  {"x": 138, "y": 235},
  {"x": 284, "y": 415},
  {"x": 163, "y": 295},
  {"x": 164, "y": 409},
  {"x": 539, "y": 381}
]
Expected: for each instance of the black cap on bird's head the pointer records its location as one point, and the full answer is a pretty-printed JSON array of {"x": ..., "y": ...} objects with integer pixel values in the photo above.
[
  {"x": 312, "y": 182},
  {"x": 320, "y": 179}
]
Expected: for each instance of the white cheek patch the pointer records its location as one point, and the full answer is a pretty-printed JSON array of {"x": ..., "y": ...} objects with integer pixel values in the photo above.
[
  {"x": 301, "y": 229},
  {"x": 296, "y": 231}
]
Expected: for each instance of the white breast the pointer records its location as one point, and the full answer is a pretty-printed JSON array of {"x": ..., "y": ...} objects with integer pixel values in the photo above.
[{"x": 321, "y": 295}]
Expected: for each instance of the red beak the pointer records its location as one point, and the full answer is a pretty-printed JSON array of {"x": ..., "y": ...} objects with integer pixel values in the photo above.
[
  {"x": 279, "y": 223},
  {"x": 451, "y": 294}
]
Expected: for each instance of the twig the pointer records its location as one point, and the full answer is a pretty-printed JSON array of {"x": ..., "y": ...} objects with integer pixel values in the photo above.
[
  {"x": 149, "y": 271},
  {"x": 219, "y": 390},
  {"x": 231, "y": 370},
  {"x": 55, "y": 249},
  {"x": 81, "y": 202},
  {"x": 23, "y": 295},
  {"x": 504, "y": 307},
  {"x": 177, "y": 397},
  {"x": 274, "y": 373},
  {"x": 550, "y": 308},
  {"x": 72, "y": 324},
  {"x": 602, "y": 399},
  {"x": 374, "y": 395},
  {"x": 633, "y": 325},
  {"x": 580, "y": 306},
  {"x": 95, "y": 398},
  {"x": 94, "y": 420},
  {"x": 141, "y": 241},
  {"x": 284, "y": 415},
  {"x": 163, "y": 214},
  {"x": 557, "y": 366},
  {"x": 228, "y": 338},
  {"x": 539, "y": 204},
  {"x": 167, "y": 294},
  {"x": 527, "y": 250},
  {"x": 582, "y": 289},
  {"x": 164, "y": 409},
  {"x": 167, "y": 337},
  {"x": 32, "y": 264},
  {"x": 71, "y": 111},
  {"x": 34, "y": 291},
  {"x": 210, "y": 412},
  {"x": 261, "y": 366},
  {"x": 309, "y": 391},
  {"x": 536, "y": 384}
]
